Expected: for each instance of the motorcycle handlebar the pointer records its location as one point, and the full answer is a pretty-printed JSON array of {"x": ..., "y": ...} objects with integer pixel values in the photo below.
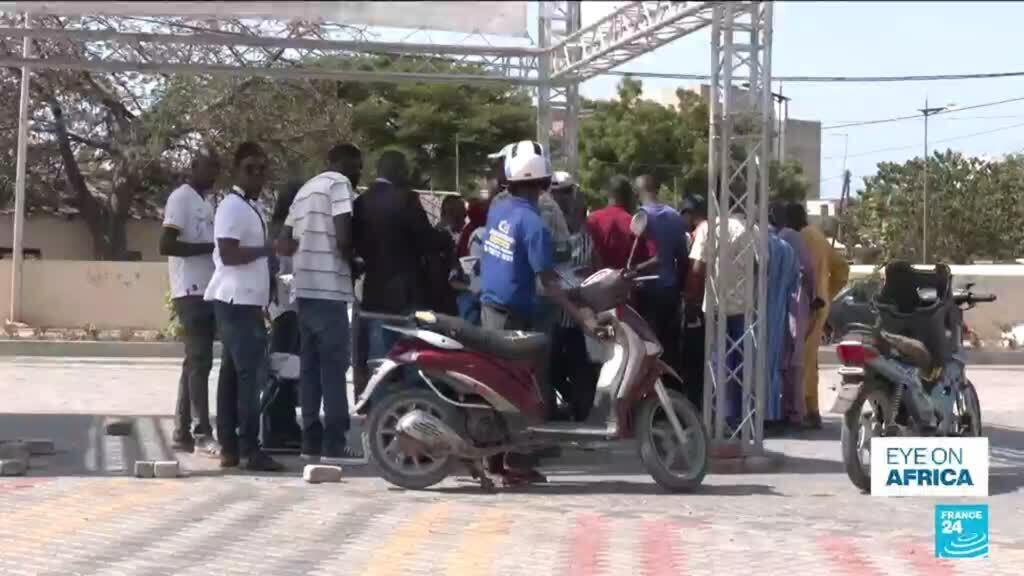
[
  {"x": 395, "y": 318},
  {"x": 972, "y": 298}
]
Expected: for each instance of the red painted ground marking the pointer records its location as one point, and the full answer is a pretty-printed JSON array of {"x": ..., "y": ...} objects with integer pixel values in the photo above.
[
  {"x": 846, "y": 556},
  {"x": 923, "y": 559},
  {"x": 587, "y": 541},
  {"x": 22, "y": 483},
  {"x": 658, "y": 549}
]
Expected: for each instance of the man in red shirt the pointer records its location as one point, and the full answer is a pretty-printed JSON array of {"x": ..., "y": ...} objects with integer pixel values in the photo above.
[{"x": 609, "y": 230}]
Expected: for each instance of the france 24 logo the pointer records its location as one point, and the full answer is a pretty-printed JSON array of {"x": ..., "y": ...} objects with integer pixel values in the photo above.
[{"x": 961, "y": 531}]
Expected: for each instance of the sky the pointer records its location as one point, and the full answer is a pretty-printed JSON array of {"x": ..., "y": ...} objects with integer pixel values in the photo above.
[{"x": 876, "y": 38}]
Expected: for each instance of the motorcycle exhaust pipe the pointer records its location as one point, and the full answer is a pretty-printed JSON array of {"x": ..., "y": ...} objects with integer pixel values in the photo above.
[
  {"x": 431, "y": 432},
  {"x": 920, "y": 405}
]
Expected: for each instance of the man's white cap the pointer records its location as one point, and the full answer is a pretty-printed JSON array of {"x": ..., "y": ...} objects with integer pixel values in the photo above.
[{"x": 561, "y": 179}]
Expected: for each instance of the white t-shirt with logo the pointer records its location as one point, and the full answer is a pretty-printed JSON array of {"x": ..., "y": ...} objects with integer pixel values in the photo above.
[
  {"x": 320, "y": 272},
  {"x": 246, "y": 284},
  {"x": 192, "y": 216}
]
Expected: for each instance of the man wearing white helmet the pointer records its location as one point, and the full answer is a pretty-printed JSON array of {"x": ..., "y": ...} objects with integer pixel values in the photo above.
[{"x": 517, "y": 251}]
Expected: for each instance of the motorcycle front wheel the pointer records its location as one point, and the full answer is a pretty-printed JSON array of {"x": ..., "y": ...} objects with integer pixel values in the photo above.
[
  {"x": 675, "y": 466},
  {"x": 864, "y": 420},
  {"x": 409, "y": 471},
  {"x": 968, "y": 411}
]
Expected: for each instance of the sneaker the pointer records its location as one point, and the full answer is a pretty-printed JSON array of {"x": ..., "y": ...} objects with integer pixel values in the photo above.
[
  {"x": 346, "y": 455},
  {"x": 228, "y": 460},
  {"x": 258, "y": 461},
  {"x": 206, "y": 446}
]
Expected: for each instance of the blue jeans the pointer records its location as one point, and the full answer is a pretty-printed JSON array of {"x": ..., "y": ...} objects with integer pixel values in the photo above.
[
  {"x": 243, "y": 372},
  {"x": 323, "y": 328},
  {"x": 734, "y": 328}
]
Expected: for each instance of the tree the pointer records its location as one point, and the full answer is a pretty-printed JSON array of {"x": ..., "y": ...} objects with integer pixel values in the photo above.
[
  {"x": 110, "y": 145},
  {"x": 787, "y": 181},
  {"x": 632, "y": 136},
  {"x": 974, "y": 210},
  {"x": 424, "y": 120}
]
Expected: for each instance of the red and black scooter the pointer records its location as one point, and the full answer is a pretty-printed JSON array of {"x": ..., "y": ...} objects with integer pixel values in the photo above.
[{"x": 474, "y": 395}]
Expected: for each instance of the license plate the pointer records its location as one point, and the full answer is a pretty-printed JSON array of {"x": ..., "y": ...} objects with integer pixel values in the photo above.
[{"x": 844, "y": 399}]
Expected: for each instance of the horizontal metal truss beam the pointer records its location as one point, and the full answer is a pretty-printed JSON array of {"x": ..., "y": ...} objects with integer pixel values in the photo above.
[
  {"x": 625, "y": 34},
  {"x": 409, "y": 61}
]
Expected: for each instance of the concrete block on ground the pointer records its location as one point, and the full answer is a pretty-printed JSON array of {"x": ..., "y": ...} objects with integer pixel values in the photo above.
[
  {"x": 40, "y": 446},
  {"x": 143, "y": 469},
  {"x": 119, "y": 428},
  {"x": 318, "y": 473},
  {"x": 13, "y": 467},
  {"x": 167, "y": 469},
  {"x": 15, "y": 450}
]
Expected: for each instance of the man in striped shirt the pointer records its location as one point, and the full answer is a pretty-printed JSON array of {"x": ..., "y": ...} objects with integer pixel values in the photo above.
[{"x": 319, "y": 226}]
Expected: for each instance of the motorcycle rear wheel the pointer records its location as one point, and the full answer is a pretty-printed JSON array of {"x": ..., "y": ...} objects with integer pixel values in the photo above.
[
  {"x": 659, "y": 447},
  {"x": 863, "y": 421},
  {"x": 409, "y": 471}
]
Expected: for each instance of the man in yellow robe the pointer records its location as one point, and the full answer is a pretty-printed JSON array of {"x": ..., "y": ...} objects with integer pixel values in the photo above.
[{"x": 831, "y": 273}]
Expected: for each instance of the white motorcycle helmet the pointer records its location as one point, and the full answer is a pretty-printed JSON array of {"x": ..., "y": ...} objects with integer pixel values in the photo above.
[{"x": 526, "y": 161}]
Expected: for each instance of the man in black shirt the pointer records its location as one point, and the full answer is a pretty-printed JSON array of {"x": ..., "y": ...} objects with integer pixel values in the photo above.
[{"x": 391, "y": 234}]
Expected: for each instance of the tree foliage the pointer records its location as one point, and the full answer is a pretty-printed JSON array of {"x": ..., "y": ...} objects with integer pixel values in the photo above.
[{"x": 974, "y": 209}]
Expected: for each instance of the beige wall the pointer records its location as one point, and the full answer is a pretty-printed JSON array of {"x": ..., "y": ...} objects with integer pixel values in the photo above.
[
  {"x": 75, "y": 294},
  {"x": 803, "y": 144},
  {"x": 63, "y": 238}
]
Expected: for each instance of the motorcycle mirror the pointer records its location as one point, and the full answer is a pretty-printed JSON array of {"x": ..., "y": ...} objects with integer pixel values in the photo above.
[{"x": 638, "y": 225}]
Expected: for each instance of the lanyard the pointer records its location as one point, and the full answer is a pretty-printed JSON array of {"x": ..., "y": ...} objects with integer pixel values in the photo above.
[{"x": 259, "y": 216}]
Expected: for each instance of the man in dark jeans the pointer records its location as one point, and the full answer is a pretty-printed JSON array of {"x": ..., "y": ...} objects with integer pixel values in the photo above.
[
  {"x": 660, "y": 301},
  {"x": 187, "y": 241},
  {"x": 239, "y": 291},
  {"x": 391, "y": 234},
  {"x": 318, "y": 232}
]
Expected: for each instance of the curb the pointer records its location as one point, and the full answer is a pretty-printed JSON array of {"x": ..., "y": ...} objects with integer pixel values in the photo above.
[
  {"x": 98, "y": 349},
  {"x": 95, "y": 349}
]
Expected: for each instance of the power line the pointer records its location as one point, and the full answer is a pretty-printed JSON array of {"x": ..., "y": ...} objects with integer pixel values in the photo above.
[
  {"x": 918, "y": 116},
  {"x": 910, "y": 146},
  {"x": 913, "y": 78}
]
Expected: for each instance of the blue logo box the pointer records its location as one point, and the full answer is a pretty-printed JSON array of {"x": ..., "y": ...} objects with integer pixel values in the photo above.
[{"x": 961, "y": 531}]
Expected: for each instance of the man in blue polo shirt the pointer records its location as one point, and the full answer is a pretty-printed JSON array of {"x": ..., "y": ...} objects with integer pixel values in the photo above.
[{"x": 517, "y": 251}]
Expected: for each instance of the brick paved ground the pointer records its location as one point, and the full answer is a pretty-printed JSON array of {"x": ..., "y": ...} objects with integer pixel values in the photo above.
[{"x": 78, "y": 513}]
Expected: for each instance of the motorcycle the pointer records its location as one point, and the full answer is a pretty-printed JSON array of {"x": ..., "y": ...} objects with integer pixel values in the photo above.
[
  {"x": 906, "y": 375},
  {"x": 476, "y": 395}
]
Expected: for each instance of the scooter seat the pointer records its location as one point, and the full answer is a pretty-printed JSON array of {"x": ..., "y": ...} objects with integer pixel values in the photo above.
[
  {"x": 913, "y": 350},
  {"x": 508, "y": 344}
]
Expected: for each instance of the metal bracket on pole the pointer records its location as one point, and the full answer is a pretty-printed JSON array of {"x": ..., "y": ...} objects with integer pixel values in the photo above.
[
  {"x": 19, "y": 186},
  {"x": 736, "y": 286}
]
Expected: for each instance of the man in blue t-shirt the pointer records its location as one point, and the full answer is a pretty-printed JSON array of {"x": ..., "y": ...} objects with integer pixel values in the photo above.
[
  {"x": 660, "y": 302},
  {"x": 517, "y": 251}
]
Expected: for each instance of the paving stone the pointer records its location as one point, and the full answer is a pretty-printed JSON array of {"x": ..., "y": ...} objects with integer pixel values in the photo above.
[
  {"x": 143, "y": 469},
  {"x": 119, "y": 428},
  {"x": 317, "y": 473},
  {"x": 167, "y": 469},
  {"x": 13, "y": 467}
]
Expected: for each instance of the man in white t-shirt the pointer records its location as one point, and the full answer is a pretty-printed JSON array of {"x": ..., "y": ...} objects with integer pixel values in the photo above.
[
  {"x": 240, "y": 290},
  {"x": 318, "y": 235},
  {"x": 187, "y": 241}
]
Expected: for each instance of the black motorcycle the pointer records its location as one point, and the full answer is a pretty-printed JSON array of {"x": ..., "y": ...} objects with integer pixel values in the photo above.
[{"x": 906, "y": 375}]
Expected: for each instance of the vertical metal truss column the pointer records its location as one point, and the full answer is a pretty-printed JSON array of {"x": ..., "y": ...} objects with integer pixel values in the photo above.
[
  {"x": 739, "y": 156},
  {"x": 557, "y": 21}
]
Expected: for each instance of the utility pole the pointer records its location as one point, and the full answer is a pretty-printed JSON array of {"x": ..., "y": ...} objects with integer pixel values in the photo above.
[
  {"x": 926, "y": 111},
  {"x": 842, "y": 208}
]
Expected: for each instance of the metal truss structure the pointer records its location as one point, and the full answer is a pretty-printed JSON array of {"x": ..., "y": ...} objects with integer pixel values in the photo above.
[
  {"x": 735, "y": 381},
  {"x": 566, "y": 55}
]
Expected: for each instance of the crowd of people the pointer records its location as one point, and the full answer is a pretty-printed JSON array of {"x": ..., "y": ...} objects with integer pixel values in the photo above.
[{"x": 504, "y": 260}]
